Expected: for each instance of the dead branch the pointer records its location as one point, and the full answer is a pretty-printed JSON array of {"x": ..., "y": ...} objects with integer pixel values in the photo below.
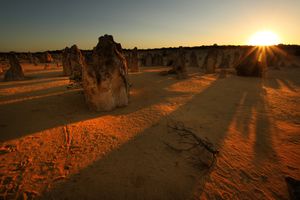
[{"x": 195, "y": 141}]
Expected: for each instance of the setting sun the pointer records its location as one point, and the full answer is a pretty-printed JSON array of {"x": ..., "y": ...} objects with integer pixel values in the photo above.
[{"x": 264, "y": 38}]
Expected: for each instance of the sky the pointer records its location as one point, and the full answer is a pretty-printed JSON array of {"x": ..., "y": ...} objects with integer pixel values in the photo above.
[{"x": 39, "y": 25}]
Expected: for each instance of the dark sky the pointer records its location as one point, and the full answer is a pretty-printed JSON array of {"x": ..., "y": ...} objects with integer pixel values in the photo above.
[{"x": 33, "y": 25}]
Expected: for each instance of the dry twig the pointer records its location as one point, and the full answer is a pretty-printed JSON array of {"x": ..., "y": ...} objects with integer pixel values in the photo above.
[{"x": 194, "y": 141}]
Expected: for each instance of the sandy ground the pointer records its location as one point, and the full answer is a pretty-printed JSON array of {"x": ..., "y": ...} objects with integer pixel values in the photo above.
[{"x": 53, "y": 147}]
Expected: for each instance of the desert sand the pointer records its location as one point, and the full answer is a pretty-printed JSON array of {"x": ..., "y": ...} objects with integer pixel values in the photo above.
[{"x": 54, "y": 147}]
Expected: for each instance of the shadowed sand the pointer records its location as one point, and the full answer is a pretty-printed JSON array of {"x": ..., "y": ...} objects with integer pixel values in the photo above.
[{"x": 53, "y": 147}]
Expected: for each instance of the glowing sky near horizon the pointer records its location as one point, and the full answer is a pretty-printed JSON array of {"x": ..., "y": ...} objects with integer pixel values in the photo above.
[{"x": 38, "y": 25}]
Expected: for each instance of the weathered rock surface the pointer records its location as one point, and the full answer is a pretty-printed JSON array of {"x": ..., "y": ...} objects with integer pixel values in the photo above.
[
  {"x": 105, "y": 82},
  {"x": 15, "y": 72},
  {"x": 251, "y": 64}
]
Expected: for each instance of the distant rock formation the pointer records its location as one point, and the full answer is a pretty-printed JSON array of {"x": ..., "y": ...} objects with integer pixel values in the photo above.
[
  {"x": 210, "y": 62},
  {"x": 148, "y": 60},
  {"x": 157, "y": 60},
  {"x": 15, "y": 72},
  {"x": 73, "y": 62},
  {"x": 30, "y": 58},
  {"x": 77, "y": 63},
  {"x": 134, "y": 61},
  {"x": 180, "y": 66},
  {"x": 67, "y": 70},
  {"x": 48, "y": 58},
  {"x": 35, "y": 61},
  {"x": 193, "y": 60},
  {"x": 236, "y": 57},
  {"x": 225, "y": 62},
  {"x": 251, "y": 64},
  {"x": 105, "y": 83}
]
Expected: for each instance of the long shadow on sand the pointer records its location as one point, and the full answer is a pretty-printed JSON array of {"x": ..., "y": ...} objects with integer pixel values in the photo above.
[
  {"x": 144, "y": 168},
  {"x": 46, "y": 109}
]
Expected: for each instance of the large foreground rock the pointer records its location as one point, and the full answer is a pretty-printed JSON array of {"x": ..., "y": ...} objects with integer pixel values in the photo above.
[
  {"x": 251, "y": 64},
  {"x": 105, "y": 82},
  {"x": 15, "y": 72}
]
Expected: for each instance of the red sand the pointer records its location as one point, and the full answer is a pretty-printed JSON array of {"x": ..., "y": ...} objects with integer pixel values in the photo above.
[{"x": 52, "y": 146}]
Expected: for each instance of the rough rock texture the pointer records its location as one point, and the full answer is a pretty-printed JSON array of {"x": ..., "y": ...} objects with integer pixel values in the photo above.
[
  {"x": 15, "y": 72},
  {"x": 210, "y": 62},
  {"x": 251, "y": 64},
  {"x": 180, "y": 66},
  {"x": 105, "y": 82},
  {"x": 134, "y": 61},
  {"x": 194, "y": 60},
  {"x": 67, "y": 70}
]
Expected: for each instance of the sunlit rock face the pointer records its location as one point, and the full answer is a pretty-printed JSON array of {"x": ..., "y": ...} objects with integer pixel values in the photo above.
[
  {"x": 15, "y": 72},
  {"x": 210, "y": 62},
  {"x": 105, "y": 82},
  {"x": 251, "y": 64},
  {"x": 180, "y": 65}
]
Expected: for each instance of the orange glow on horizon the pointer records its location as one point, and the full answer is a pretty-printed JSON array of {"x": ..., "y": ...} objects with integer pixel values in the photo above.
[{"x": 264, "y": 38}]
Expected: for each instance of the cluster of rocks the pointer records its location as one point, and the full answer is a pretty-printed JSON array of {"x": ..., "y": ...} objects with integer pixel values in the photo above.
[{"x": 104, "y": 71}]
